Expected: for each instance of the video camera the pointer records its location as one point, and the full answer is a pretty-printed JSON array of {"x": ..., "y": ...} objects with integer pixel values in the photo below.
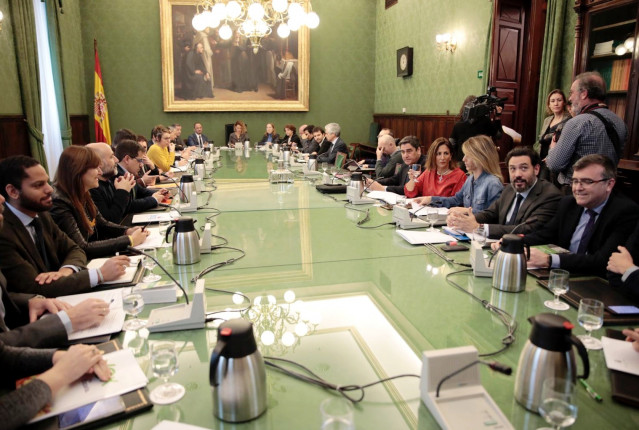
[{"x": 482, "y": 106}]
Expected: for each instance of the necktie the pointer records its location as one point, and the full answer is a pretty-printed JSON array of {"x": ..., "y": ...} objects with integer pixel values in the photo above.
[
  {"x": 511, "y": 221},
  {"x": 39, "y": 240},
  {"x": 588, "y": 230},
  {"x": 199, "y": 139}
]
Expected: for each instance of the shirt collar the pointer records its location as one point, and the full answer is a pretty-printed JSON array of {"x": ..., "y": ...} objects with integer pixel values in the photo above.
[
  {"x": 24, "y": 218},
  {"x": 599, "y": 208},
  {"x": 524, "y": 194}
]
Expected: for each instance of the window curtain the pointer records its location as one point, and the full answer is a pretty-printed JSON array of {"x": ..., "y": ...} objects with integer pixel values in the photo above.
[
  {"x": 488, "y": 51},
  {"x": 23, "y": 23},
  {"x": 551, "y": 57},
  {"x": 53, "y": 26}
]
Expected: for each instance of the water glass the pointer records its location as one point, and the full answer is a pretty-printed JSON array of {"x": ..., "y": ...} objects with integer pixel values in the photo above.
[
  {"x": 337, "y": 414},
  {"x": 432, "y": 215},
  {"x": 417, "y": 170},
  {"x": 164, "y": 363},
  {"x": 133, "y": 304},
  {"x": 324, "y": 166},
  {"x": 558, "y": 284},
  {"x": 590, "y": 317},
  {"x": 479, "y": 235},
  {"x": 149, "y": 264},
  {"x": 558, "y": 402}
]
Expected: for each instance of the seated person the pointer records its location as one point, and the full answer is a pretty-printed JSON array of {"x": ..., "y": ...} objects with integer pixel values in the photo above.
[
  {"x": 290, "y": 137},
  {"x": 525, "y": 197},
  {"x": 623, "y": 272},
  {"x": 35, "y": 255},
  {"x": 386, "y": 147},
  {"x": 239, "y": 134},
  {"x": 310, "y": 145},
  {"x": 270, "y": 137},
  {"x": 75, "y": 213},
  {"x": 591, "y": 223},
  {"x": 442, "y": 177},
  {"x": 54, "y": 369},
  {"x": 484, "y": 183},
  {"x": 197, "y": 138},
  {"x": 131, "y": 159},
  {"x": 334, "y": 146},
  {"x": 120, "y": 135},
  {"x": 320, "y": 139},
  {"x": 411, "y": 154},
  {"x": 148, "y": 167},
  {"x": 162, "y": 152},
  {"x": 371, "y": 161}
]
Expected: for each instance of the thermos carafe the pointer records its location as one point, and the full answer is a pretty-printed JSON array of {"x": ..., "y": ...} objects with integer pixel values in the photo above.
[
  {"x": 187, "y": 187},
  {"x": 509, "y": 273},
  {"x": 199, "y": 169},
  {"x": 312, "y": 162},
  {"x": 237, "y": 375},
  {"x": 186, "y": 241},
  {"x": 548, "y": 353},
  {"x": 357, "y": 184}
]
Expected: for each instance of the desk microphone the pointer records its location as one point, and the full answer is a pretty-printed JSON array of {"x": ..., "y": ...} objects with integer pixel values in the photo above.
[
  {"x": 530, "y": 220},
  {"x": 138, "y": 252},
  {"x": 495, "y": 365},
  {"x": 182, "y": 195}
]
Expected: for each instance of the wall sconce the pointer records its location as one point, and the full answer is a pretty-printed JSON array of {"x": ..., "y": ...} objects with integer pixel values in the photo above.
[
  {"x": 1, "y": 18},
  {"x": 446, "y": 42}
]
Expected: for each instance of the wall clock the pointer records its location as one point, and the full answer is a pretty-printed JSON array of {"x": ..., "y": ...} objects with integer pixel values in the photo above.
[{"x": 404, "y": 62}]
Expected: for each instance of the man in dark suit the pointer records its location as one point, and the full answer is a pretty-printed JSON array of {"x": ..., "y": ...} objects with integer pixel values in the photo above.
[
  {"x": 35, "y": 255},
  {"x": 623, "y": 272},
  {"x": 526, "y": 197},
  {"x": 320, "y": 139},
  {"x": 197, "y": 138},
  {"x": 411, "y": 154},
  {"x": 333, "y": 131},
  {"x": 591, "y": 223}
]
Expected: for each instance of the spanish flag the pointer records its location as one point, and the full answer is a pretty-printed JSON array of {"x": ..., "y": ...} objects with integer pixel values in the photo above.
[{"x": 100, "y": 112}]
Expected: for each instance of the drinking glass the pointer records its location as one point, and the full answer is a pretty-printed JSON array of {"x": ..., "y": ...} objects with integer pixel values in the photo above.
[
  {"x": 433, "y": 216},
  {"x": 324, "y": 166},
  {"x": 149, "y": 264},
  {"x": 164, "y": 226},
  {"x": 337, "y": 414},
  {"x": 558, "y": 284},
  {"x": 133, "y": 304},
  {"x": 558, "y": 403},
  {"x": 590, "y": 317},
  {"x": 164, "y": 362},
  {"x": 417, "y": 170},
  {"x": 479, "y": 234}
]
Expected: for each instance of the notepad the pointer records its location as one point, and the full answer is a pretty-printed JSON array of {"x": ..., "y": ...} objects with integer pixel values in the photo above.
[
  {"x": 129, "y": 272},
  {"x": 421, "y": 237},
  {"x": 112, "y": 323},
  {"x": 620, "y": 355}
]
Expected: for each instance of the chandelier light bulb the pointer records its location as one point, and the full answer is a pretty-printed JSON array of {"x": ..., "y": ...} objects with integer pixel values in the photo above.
[
  {"x": 226, "y": 33},
  {"x": 283, "y": 31},
  {"x": 295, "y": 9},
  {"x": 233, "y": 9},
  {"x": 219, "y": 11},
  {"x": 258, "y": 300},
  {"x": 271, "y": 299},
  {"x": 301, "y": 329},
  {"x": 256, "y": 11},
  {"x": 237, "y": 298},
  {"x": 288, "y": 339},
  {"x": 294, "y": 23},
  {"x": 289, "y": 296},
  {"x": 267, "y": 338},
  {"x": 248, "y": 26},
  {"x": 198, "y": 22},
  {"x": 279, "y": 5},
  {"x": 262, "y": 27},
  {"x": 312, "y": 20}
]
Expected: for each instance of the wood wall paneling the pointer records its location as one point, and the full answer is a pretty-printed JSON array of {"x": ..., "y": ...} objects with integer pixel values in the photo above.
[
  {"x": 426, "y": 127},
  {"x": 80, "y": 129},
  {"x": 14, "y": 136}
]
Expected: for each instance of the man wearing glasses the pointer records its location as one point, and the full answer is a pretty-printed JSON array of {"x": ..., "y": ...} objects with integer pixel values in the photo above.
[
  {"x": 594, "y": 129},
  {"x": 591, "y": 223}
]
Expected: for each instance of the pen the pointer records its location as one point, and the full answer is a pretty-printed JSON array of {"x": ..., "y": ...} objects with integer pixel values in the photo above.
[{"x": 592, "y": 393}]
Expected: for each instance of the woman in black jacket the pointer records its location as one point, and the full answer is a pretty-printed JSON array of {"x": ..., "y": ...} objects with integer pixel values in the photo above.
[{"x": 76, "y": 214}]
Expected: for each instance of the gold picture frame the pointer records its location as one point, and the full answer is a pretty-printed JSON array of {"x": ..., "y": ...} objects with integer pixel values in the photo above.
[{"x": 241, "y": 80}]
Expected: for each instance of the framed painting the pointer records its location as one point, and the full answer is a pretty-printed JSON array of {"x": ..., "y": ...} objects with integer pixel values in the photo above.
[{"x": 203, "y": 72}]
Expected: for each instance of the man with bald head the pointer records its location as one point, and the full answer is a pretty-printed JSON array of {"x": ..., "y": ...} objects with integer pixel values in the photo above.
[
  {"x": 594, "y": 129},
  {"x": 386, "y": 147},
  {"x": 113, "y": 193}
]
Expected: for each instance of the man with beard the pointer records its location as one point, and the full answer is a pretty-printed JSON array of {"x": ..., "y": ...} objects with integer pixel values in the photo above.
[
  {"x": 309, "y": 144},
  {"x": 35, "y": 255},
  {"x": 411, "y": 154},
  {"x": 591, "y": 223},
  {"x": 527, "y": 197},
  {"x": 320, "y": 139},
  {"x": 112, "y": 195}
]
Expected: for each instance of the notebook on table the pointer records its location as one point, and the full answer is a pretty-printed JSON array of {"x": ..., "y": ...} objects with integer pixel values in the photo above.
[{"x": 624, "y": 386}]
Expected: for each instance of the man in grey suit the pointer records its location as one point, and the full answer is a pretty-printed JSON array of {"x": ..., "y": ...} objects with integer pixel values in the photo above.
[
  {"x": 525, "y": 198},
  {"x": 333, "y": 131}
]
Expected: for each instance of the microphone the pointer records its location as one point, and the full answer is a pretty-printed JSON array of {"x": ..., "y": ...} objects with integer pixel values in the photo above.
[
  {"x": 530, "y": 220},
  {"x": 138, "y": 252},
  {"x": 494, "y": 365}
]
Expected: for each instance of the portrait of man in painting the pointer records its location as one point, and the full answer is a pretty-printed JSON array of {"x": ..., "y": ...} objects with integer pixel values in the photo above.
[{"x": 211, "y": 73}]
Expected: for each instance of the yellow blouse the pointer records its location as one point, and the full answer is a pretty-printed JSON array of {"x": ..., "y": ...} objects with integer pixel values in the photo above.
[{"x": 162, "y": 158}]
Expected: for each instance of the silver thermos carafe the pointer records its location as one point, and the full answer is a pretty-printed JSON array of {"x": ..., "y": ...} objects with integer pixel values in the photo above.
[
  {"x": 357, "y": 183},
  {"x": 237, "y": 374},
  {"x": 187, "y": 187},
  {"x": 547, "y": 354},
  {"x": 312, "y": 162},
  {"x": 186, "y": 241},
  {"x": 286, "y": 149},
  {"x": 509, "y": 272},
  {"x": 199, "y": 169}
]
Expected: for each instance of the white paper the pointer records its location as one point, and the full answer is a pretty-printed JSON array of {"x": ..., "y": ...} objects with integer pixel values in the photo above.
[
  {"x": 129, "y": 272},
  {"x": 179, "y": 168},
  {"x": 172, "y": 425},
  {"x": 126, "y": 376},
  {"x": 620, "y": 355},
  {"x": 111, "y": 324},
  {"x": 420, "y": 237},
  {"x": 390, "y": 198},
  {"x": 147, "y": 217},
  {"x": 153, "y": 240}
]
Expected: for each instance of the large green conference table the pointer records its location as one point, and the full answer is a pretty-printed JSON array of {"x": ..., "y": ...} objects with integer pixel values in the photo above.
[{"x": 353, "y": 305}]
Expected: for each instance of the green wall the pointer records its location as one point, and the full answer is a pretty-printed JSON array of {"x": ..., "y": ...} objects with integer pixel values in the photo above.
[
  {"x": 440, "y": 80},
  {"x": 342, "y": 69},
  {"x": 72, "y": 57},
  {"x": 10, "y": 103}
]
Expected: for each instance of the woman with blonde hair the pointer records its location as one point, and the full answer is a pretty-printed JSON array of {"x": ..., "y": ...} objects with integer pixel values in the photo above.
[
  {"x": 484, "y": 183},
  {"x": 557, "y": 109},
  {"x": 240, "y": 135},
  {"x": 76, "y": 214},
  {"x": 271, "y": 136},
  {"x": 442, "y": 177}
]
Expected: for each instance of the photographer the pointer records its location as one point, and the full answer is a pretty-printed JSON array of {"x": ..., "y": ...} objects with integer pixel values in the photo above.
[{"x": 478, "y": 115}]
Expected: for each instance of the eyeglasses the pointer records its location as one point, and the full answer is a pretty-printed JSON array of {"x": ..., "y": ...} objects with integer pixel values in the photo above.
[
  {"x": 586, "y": 182},
  {"x": 140, "y": 160}
]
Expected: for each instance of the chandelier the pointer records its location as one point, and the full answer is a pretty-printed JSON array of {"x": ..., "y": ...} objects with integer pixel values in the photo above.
[{"x": 254, "y": 19}]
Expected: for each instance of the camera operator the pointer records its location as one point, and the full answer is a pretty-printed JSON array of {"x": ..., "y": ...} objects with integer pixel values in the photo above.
[{"x": 478, "y": 115}]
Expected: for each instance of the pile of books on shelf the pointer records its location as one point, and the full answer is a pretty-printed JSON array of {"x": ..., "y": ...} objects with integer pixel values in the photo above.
[
  {"x": 603, "y": 48},
  {"x": 616, "y": 74}
]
